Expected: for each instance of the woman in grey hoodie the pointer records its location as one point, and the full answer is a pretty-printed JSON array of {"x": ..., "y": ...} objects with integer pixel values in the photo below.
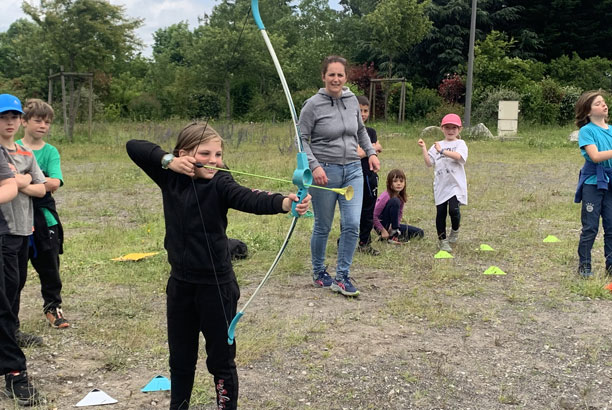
[{"x": 331, "y": 129}]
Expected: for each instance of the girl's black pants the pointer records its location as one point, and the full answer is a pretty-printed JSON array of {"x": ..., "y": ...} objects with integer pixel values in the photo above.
[{"x": 191, "y": 309}]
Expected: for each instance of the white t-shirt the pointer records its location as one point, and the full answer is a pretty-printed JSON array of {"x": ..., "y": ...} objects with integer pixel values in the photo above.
[{"x": 449, "y": 174}]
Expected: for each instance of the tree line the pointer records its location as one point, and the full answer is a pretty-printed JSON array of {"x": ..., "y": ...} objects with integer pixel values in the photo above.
[{"x": 543, "y": 53}]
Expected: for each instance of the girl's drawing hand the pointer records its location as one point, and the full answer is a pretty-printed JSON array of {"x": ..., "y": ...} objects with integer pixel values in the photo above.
[
  {"x": 183, "y": 165},
  {"x": 438, "y": 147}
]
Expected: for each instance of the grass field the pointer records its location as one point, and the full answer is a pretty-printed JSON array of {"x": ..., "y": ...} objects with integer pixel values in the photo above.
[{"x": 425, "y": 333}]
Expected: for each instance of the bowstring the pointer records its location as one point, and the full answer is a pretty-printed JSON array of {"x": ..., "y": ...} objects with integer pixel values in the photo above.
[{"x": 208, "y": 246}]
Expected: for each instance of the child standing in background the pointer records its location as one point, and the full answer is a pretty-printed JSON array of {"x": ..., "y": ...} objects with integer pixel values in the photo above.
[
  {"x": 390, "y": 208},
  {"x": 47, "y": 241},
  {"x": 12, "y": 360},
  {"x": 448, "y": 158},
  {"x": 370, "y": 184},
  {"x": 595, "y": 142},
  {"x": 19, "y": 214}
]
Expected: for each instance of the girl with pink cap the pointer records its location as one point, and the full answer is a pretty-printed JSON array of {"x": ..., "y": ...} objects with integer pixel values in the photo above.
[{"x": 450, "y": 185}]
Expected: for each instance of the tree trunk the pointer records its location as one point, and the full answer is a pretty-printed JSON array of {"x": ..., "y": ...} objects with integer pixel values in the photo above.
[
  {"x": 387, "y": 89},
  {"x": 71, "y": 110},
  {"x": 228, "y": 105}
]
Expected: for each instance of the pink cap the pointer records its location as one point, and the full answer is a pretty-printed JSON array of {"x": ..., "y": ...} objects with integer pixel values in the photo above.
[{"x": 451, "y": 119}]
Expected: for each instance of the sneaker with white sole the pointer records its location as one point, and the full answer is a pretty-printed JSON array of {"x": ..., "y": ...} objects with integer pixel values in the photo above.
[
  {"x": 445, "y": 245},
  {"x": 453, "y": 237},
  {"x": 345, "y": 287}
]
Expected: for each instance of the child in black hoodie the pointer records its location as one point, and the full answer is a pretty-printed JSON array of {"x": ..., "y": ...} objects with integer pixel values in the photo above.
[{"x": 202, "y": 292}]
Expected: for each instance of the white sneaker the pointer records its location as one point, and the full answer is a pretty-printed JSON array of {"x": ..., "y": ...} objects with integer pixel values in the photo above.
[
  {"x": 445, "y": 246},
  {"x": 454, "y": 236}
]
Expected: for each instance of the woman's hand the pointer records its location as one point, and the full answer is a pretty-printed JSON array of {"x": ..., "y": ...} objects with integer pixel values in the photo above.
[
  {"x": 319, "y": 176},
  {"x": 301, "y": 208},
  {"x": 374, "y": 163},
  {"x": 183, "y": 165}
]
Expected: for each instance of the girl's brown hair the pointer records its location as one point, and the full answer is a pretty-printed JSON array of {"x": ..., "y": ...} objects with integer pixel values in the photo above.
[
  {"x": 332, "y": 59},
  {"x": 583, "y": 107},
  {"x": 396, "y": 173},
  {"x": 193, "y": 135}
]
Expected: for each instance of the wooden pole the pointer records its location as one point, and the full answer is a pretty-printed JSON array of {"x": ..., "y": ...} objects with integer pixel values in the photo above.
[
  {"x": 64, "y": 101},
  {"x": 50, "y": 94},
  {"x": 90, "y": 105},
  {"x": 470, "y": 72},
  {"x": 371, "y": 101}
]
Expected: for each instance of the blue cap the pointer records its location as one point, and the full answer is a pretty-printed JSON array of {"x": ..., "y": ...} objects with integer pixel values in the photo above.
[{"x": 9, "y": 103}]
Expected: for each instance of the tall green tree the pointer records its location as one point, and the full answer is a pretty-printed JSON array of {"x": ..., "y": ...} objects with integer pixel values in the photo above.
[
  {"x": 84, "y": 35},
  {"x": 396, "y": 26},
  {"x": 566, "y": 26}
]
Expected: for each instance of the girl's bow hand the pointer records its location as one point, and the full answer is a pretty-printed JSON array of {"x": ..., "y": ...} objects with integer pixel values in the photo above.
[{"x": 301, "y": 208}]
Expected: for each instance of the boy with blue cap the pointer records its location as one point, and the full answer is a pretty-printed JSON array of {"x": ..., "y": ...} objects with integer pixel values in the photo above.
[
  {"x": 12, "y": 359},
  {"x": 19, "y": 213}
]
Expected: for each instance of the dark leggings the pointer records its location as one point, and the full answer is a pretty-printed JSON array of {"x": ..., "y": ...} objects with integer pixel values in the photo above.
[
  {"x": 452, "y": 208},
  {"x": 195, "y": 309}
]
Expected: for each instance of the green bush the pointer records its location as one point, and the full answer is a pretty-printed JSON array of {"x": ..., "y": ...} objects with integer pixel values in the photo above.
[
  {"x": 266, "y": 108},
  {"x": 487, "y": 104},
  {"x": 589, "y": 74},
  {"x": 144, "y": 107},
  {"x": 204, "y": 105},
  {"x": 435, "y": 117},
  {"x": 242, "y": 96},
  {"x": 421, "y": 102},
  {"x": 568, "y": 102},
  {"x": 300, "y": 97},
  {"x": 394, "y": 98},
  {"x": 112, "y": 112}
]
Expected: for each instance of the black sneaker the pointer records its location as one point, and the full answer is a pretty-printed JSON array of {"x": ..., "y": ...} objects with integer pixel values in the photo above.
[
  {"x": 19, "y": 388},
  {"x": 27, "y": 340},
  {"x": 584, "y": 270},
  {"x": 367, "y": 249}
]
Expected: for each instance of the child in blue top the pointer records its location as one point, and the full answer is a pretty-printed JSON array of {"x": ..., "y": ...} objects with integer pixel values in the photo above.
[{"x": 595, "y": 142}]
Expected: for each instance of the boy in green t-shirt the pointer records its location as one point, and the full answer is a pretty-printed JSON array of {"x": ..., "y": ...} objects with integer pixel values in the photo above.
[{"x": 47, "y": 240}]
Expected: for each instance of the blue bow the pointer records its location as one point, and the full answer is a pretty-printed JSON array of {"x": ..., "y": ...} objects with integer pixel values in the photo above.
[{"x": 302, "y": 176}]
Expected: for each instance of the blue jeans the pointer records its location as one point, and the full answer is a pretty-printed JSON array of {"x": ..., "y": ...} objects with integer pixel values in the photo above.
[
  {"x": 324, "y": 206},
  {"x": 595, "y": 203}
]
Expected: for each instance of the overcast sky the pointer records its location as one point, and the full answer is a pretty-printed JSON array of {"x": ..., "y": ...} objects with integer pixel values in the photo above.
[{"x": 156, "y": 14}]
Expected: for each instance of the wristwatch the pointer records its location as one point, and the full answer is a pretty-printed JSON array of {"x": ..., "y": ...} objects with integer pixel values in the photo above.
[
  {"x": 166, "y": 160},
  {"x": 442, "y": 151}
]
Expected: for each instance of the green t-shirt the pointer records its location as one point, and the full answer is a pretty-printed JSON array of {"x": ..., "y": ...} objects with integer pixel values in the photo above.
[{"x": 48, "y": 159}]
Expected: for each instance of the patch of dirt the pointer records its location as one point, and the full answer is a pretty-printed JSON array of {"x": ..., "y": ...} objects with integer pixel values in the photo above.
[{"x": 359, "y": 356}]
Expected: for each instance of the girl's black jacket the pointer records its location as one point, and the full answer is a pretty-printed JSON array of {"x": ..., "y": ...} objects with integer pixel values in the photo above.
[{"x": 188, "y": 250}]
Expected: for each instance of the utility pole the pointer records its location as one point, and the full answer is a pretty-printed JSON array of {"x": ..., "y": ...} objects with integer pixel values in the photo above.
[{"x": 470, "y": 73}]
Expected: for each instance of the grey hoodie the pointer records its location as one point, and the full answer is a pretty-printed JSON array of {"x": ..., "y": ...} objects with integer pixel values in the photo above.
[{"x": 331, "y": 129}]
